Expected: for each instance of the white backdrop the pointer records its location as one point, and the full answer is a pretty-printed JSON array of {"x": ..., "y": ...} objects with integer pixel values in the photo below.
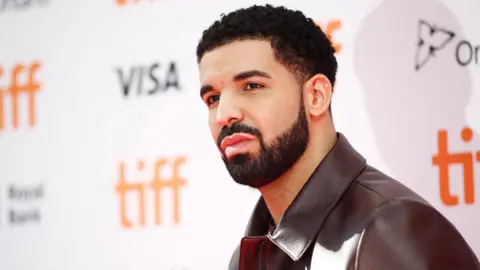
[{"x": 61, "y": 202}]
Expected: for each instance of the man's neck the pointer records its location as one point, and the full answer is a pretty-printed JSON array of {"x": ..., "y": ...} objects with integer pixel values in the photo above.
[{"x": 279, "y": 194}]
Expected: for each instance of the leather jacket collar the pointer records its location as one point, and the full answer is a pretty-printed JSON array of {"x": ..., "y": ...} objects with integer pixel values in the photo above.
[{"x": 303, "y": 219}]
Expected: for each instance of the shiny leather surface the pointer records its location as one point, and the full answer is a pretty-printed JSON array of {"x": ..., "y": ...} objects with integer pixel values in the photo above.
[{"x": 351, "y": 216}]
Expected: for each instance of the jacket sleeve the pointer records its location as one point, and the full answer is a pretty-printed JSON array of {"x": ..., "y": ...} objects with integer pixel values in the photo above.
[{"x": 408, "y": 234}]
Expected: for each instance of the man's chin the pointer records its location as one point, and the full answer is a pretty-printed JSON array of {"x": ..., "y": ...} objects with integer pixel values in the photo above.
[
  {"x": 237, "y": 159},
  {"x": 240, "y": 168}
]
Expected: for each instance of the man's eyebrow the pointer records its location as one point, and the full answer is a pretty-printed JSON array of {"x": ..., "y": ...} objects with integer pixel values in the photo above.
[
  {"x": 205, "y": 89},
  {"x": 250, "y": 73}
]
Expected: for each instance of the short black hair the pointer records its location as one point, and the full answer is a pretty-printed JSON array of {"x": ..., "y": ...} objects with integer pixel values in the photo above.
[{"x": 298, "y": 43}]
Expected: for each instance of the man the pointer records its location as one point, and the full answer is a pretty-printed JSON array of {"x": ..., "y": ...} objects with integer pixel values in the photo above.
[{"x": 267, "y": 76}]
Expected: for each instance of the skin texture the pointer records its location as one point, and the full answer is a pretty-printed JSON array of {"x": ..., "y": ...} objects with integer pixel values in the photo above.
[{"x": 270, "y": 106}]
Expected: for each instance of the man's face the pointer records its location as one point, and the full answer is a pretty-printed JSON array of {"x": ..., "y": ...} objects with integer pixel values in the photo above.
[{"x": 256, "y": 112}]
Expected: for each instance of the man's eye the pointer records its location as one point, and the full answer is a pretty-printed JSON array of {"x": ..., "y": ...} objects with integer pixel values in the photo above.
[
  {"x": 212, "y": 99},
  {"x": 252, "y": 86}
]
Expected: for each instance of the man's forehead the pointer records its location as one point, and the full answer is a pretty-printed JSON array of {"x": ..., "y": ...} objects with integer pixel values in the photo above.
[
  {"x": 246, "y": 48},
  {"x": 237, "y": 57}
]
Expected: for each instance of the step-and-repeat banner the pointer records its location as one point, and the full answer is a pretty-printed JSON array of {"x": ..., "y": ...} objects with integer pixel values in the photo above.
[{"x": 106, "y": 160}]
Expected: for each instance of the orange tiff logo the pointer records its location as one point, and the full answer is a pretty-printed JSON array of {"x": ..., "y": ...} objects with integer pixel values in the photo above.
[
  {"x": 29, "y": 88},
  {"x": 444, "y": 159},
  {"x": 330, "y": 29},
  {"x": 155, "y": 186}
]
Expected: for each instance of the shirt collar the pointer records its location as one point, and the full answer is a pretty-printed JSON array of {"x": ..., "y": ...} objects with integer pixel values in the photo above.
[{"x": 301, "y": 222}]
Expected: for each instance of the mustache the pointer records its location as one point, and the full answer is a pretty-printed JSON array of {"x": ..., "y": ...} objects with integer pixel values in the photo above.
[{"x": 236, "y": 128}]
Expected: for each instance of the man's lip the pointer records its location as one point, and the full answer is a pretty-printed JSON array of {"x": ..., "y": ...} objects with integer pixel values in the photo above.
[{"x": 236, "y": 138}]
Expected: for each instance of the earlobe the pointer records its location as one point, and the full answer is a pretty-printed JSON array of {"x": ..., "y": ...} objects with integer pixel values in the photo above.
[{"x": 318, "y": 93}]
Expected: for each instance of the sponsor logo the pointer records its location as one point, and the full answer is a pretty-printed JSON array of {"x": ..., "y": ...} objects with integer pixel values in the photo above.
[
  {"x": 433, "y": 39},
  {"x": 330, "y": 28},
  {"x": 20, "y": 5},
  {"x": 445, "y": 159},
  {"x": 23, "y": 204},
  {"x": 12, "y": 94},
  {"x": 154, "y": 187},
  {"x": 147, "y": 80}
]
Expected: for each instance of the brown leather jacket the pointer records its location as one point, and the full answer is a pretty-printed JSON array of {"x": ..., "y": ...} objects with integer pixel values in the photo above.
[{"x": 351, "y": 216}]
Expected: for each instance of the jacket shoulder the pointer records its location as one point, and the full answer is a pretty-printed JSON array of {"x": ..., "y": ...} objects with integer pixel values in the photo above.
[
  {"x": 410, "y": 234},
  {"x": 369, "y": 190},
  {"x": 382, "y": 187}
]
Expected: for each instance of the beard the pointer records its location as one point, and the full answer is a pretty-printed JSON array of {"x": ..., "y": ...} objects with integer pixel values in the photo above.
[{"x": 274, "y": 158}]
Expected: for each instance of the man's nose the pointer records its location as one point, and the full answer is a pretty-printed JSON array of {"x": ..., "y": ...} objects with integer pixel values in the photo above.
[{"x": 228, "y": 110}]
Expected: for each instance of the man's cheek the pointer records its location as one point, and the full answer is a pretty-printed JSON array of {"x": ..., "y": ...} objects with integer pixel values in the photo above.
[
  {"x": 214, "y": 132},
  {"x": 215, "y": 139}
]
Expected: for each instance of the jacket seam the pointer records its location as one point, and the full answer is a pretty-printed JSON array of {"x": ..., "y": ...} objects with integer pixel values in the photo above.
[{"x": 374, "y": 191}]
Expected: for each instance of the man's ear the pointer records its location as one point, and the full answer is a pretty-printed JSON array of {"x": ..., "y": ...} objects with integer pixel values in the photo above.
[{"x": 317, "y": 95}]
